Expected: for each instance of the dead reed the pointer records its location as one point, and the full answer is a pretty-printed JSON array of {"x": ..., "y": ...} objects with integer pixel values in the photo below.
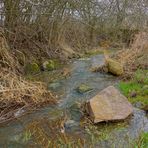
[
  {"x": 135, "y": 57},
  {"x": 15, "y": 91}
]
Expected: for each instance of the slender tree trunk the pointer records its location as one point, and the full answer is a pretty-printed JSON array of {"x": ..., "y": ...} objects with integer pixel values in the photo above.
[{"x": 11, "y": 9}]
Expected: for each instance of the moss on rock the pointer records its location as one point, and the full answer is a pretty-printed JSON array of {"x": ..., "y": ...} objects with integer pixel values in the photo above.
[
  {"x": 32, "y": 68},
  {"x": 83, "y": 88}
]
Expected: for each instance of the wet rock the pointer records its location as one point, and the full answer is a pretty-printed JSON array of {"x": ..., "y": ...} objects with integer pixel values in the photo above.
[
  {"x": 114, "y": 67},
  {"x": 83, "y": 88},
  {"x": 133, "y": 94},
  {"x": 108, "y": 105}
]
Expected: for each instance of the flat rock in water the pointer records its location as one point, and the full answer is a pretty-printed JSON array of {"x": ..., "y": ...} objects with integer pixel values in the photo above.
[{"x": 109, "y": 105}]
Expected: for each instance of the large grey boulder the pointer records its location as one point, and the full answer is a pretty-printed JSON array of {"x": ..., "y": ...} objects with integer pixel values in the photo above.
[{"x": 109, "y": 105}]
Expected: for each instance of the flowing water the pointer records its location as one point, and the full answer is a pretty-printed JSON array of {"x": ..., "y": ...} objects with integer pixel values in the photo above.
[{"x": 105, "y": 135}]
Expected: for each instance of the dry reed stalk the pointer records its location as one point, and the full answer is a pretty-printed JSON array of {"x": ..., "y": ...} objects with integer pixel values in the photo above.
[
  {"x": 135, "y": 57},
  {"x": 16, "y": 92}
]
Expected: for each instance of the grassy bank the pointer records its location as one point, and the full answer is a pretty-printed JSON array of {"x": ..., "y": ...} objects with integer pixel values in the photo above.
[{"x": 136, "y": 89}]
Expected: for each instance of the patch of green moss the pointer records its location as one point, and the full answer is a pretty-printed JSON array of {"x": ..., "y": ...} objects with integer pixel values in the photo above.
[
  {"x": 50, "y": 65},
  {"x": 32, "y": 68}
]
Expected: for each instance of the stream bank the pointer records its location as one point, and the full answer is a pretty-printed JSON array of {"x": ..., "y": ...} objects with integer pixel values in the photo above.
[{"x": 62, "y": 123}]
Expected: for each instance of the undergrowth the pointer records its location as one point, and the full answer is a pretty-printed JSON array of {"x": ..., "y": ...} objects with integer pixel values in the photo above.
[
  {"x": 134, "y": 58},
  {"x": 16, "y": 93}
]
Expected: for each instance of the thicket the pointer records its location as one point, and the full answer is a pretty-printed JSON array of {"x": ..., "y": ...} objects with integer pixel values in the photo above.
[
  {"x": 17, "y": 94},
  {"x": 55, "y": 28}
]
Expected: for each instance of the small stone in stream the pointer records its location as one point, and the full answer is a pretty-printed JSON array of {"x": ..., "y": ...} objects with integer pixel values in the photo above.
[
  {"x": 83, "y": 88},
  {"x": 133, "y": 94},
  {"x": 109, "y": 105}
]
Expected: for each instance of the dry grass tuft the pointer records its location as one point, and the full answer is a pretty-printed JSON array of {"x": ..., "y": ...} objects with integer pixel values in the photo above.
[
  {"x": 56, "y": 135},
  {"x": 16, "y": 92},
  {"x": 133, "y": 58},
  {"x": 136, "y": 57}
]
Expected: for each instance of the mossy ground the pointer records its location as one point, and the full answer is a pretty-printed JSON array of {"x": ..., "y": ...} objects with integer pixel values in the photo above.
[{"x": 138, "y": 85}]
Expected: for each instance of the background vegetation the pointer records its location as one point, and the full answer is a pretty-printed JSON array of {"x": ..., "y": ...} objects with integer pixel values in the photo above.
[{"x": 47, "y": 28}]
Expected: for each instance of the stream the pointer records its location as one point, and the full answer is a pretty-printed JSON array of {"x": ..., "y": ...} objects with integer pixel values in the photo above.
[{"x": 103, "y": 135}]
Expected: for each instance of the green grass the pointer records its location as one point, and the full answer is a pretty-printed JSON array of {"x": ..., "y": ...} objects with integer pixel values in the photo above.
[
  {"x": 128, "y": 87},
  {"x": 139, "y": 85},
  {"x": 142, "y": 141}
]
